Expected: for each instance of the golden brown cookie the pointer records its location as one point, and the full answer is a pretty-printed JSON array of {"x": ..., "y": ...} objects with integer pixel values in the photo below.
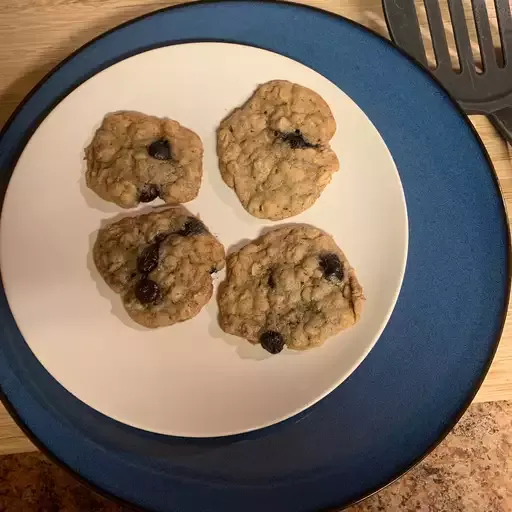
[
  {"x": 292, "y": 286},
  {"x": 160, "y": 263},
  {"x": 135, "y": 158},
  {"x": 274, "y": 151}
]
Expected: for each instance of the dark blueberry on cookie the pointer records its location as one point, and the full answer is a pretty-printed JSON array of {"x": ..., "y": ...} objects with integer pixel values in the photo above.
[
  {"x": 271, "y": 280},
  {"x": 331, "y": 266},
  {"x": 272, "y": 341},
  {"x": 296, "y": 140},
  {"x": 147, "y": 291},
  {"x": 160, "y": 149},
  {"x": 160, "y": 238},
  {"x": 148, "y": 259},
  {"x": 191, "y": 227},
  {"x": 213, "y": 270},
  {"x": 148, "y": 193}
]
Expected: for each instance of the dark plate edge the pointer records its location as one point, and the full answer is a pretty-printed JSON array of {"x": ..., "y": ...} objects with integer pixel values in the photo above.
[{"x": 451, "y": 424}]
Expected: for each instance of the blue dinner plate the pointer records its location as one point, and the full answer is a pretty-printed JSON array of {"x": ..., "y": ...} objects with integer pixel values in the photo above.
[{"x": 428, "y": 364}]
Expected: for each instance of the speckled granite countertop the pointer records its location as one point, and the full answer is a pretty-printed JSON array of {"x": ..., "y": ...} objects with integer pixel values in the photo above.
[{"x": 470, "y": 472}]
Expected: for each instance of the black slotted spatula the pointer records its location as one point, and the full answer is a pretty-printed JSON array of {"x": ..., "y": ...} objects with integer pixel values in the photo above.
[{"x": 487, "y": 92}]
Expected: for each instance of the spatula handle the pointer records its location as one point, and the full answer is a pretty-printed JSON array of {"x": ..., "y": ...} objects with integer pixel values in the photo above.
[{"x": 502, "y": 121}]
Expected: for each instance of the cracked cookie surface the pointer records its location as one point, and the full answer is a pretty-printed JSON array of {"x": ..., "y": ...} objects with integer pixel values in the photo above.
[
  {"x": 274, "y": 151},
  {"x": 136, "y": 158},
  {"x": 160, "y": 263},
  {"x": 291, "y": 287}
]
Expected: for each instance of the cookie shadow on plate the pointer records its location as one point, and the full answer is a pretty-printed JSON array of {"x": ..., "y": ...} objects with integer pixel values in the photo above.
[{"x": 117, "y": 308}]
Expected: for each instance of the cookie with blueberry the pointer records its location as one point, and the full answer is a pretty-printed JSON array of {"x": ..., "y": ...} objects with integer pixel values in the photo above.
[
  {"x": 293, "y": 287},
  {"x": 136, "y": 158},
  {"x": 160, "y": 263},
  {"x": 274, "y": 151}
]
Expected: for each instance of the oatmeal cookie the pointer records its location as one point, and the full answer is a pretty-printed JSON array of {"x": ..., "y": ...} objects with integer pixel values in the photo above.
[
  {"x": 274, "y": 151},
  {"x": 135, "y": 158},
  {"x": 292, "y": 286},
  {"x": 160, "y": 263}
]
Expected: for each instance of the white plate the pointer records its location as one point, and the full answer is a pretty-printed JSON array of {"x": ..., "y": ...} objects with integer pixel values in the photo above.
[{"x": 190, "y": 379}]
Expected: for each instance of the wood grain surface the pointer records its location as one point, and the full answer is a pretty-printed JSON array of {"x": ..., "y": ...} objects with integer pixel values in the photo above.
[{"x": 35, "y": 35}]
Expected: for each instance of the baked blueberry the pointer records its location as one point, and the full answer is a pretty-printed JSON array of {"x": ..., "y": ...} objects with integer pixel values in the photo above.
[
  {"x": 160, "y": 238},
  {"x": 148, "y": 193},
  {"x": 296, "y": 140},
  {"x": 191, "y": 227},
  {"x": 272, "y": 341},
  {"x": 148, "y": 259},
  {"x": 160, "y": 149},
  {"x": 331, "y": 266},
  {"x": 147, "y": 291}
]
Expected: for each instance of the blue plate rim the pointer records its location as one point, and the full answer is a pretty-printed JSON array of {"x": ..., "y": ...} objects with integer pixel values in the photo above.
[{"x": 469, "y": 399}]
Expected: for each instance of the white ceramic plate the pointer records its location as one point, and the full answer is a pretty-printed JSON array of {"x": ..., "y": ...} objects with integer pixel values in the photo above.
[{"x": 190, "y": 379}]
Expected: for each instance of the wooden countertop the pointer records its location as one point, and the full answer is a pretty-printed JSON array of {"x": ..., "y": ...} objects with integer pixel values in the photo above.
[{"x": 35, "y": 35}]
